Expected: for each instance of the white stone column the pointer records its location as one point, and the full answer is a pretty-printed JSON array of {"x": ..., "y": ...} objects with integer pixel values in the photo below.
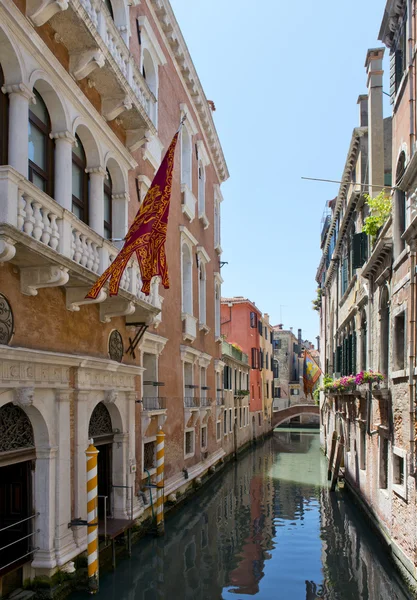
[
  {"x": 44, "y": 495},
  {"x": 19, "y": 98},
  {"x": 121, "y": 496},
  {"x": 120, "y": 208},
  {"x": 96, "y": 199},
  {"x": 82, "y": 419},
  {"x": 64, "y": 142},
  {"x": 65, "y": 545}
]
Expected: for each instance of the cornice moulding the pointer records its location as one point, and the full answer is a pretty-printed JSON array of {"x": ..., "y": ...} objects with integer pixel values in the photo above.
[{"x": 175, "y": 43}]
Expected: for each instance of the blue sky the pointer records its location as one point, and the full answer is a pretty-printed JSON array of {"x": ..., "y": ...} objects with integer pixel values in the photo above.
[{"x": 285, "y": 80}]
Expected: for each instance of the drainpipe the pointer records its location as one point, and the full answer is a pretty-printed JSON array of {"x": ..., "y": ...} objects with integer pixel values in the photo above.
[
  {"x": 410, "y": 20},
  {"x": 411, "y": 352}
]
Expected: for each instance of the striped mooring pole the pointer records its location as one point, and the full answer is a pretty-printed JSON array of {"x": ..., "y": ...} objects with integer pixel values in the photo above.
[
  {"x": 92, "y": 518},
  {"x": 160, "y": 459}
]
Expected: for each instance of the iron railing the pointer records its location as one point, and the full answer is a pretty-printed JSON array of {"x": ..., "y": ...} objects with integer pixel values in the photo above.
[
  {"x": 191, "y": 402},
  {"x": 25, "y": 537},
  {"x": 205, "y": 401},
  {"x": 154, "y": 403},
  {"x": 220, "y": 399}
]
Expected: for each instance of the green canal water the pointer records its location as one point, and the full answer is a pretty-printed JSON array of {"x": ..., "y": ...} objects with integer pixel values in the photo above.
[{"x": 266, "y": 527}]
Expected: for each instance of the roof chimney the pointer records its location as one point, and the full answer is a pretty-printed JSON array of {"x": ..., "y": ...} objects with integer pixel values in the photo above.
[
  {"x": 363, "y": 110},
  {"x": 373, "y": 67}
]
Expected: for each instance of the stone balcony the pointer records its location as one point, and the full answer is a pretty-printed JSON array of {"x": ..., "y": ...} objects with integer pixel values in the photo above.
[
  {"x": 98, "y": 50},
  {"x": 52, "y": 247}
]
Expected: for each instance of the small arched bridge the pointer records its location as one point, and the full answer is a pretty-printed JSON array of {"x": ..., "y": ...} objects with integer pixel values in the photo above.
[{"x": 294, "y": 410}]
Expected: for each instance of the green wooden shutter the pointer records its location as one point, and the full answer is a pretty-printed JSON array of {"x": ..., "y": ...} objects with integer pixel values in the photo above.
[
  {"x": 392, "y": 77},
  {"x": 353, "y": 371},
  {"x": 359, "y": 249}
]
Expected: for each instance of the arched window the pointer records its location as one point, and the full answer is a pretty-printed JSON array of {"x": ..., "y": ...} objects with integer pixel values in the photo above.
[
  {"x": 202, "y": 293},
  {"x": 384, "y": 332},
  {"x": 187, "y": 281},
  {"x": 149, "y": 72},
  {"x": 400, "y": 208},
  {"x": 201, "y": 189},
  {"x": 4, "y": 122},
  {"x": 186, "y": 158},
  {"x": 41, "y": 146},
  {"x": 80, "y": 180},
  {"x": 108, "y": 227},
  {"x": 364, "y": 341}
]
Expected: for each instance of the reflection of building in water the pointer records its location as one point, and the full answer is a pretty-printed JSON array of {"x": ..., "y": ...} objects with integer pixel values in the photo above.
[
  {"x": 221, "y": 540},
  {"x": 345, "y": 536}
]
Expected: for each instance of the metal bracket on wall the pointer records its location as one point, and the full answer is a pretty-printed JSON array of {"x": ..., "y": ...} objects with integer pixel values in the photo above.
[{"x": 142, "y": 327}]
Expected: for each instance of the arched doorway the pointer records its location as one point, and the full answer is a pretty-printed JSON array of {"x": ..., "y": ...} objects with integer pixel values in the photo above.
[
  {"x": 17, "y": 451},
  {"x": 100, "y": 430}
]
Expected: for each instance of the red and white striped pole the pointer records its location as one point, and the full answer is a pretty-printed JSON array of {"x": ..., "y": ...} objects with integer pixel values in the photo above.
[
  {"x": 160, "y": 460},
  {"x": 92, "y": 518}
]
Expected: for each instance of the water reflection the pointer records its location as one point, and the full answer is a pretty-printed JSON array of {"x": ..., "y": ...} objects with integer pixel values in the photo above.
[{"x": 269, "y": 528}]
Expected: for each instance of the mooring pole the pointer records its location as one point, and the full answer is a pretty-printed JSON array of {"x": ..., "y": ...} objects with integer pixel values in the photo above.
[
  {"x": 160, "y": 461},
  {"x": 92, "y": 518}
]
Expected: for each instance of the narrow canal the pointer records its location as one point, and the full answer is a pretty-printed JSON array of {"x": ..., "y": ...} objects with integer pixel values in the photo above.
[{"x": 267, "y": 527}]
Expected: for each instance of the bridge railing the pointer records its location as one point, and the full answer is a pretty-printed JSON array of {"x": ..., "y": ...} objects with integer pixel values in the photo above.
[{"x": 283, "y": 403}]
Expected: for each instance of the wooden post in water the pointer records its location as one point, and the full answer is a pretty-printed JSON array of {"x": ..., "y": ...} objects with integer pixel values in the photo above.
[
  {"x": 332, "y": 453},
  {"x": 339, "y": 456}
]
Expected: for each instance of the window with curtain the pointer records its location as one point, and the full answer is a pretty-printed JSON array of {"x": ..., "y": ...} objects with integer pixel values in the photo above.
[
  {"x": 186, "y": 157},
  {"x": 80, "y": 182},
  {"x": 4, "y": 122},
  {"x": 41, "y": 147},
  {"x": 108, "y": 227}
]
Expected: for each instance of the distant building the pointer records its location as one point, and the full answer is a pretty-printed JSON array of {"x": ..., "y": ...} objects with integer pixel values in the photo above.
[
  {"x": 241, "y": 323},
  {"x": 232, "y": 415},
  {"x": 288, "y": 371}
]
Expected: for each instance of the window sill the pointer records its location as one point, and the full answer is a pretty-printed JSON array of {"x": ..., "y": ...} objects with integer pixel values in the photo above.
[
  {"x": 190, "y": 455},
  {"x": 400, "y": 374},
  {"x": 204, "y": 220},
  {"x": 204, "y": 327},
  {"x": 400, "y": 490},
  {"x": 400, "y": 259}
]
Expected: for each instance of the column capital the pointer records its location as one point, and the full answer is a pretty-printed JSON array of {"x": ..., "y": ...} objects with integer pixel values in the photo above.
[
  {"x": 63, "y": 135},
  {"x": 62, "y": 395},
  {"x": 96, "y": 171},
  {"x": 19, "y": 88},
  {"x": 121, "y": 196}
]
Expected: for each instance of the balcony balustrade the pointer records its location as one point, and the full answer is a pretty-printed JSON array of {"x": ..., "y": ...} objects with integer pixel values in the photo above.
[
  {"x": 153, "y": 403},
  {"x": 205, "y": 402},
  {"x": 191, "y": 402},
  {"x": 220, "y": 399},
  {"x": 51, "y": 246},
  {"x": 98, "y": 49}
]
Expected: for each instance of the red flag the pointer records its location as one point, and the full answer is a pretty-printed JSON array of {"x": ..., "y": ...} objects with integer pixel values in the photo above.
[{"x": 146, "y": 235}]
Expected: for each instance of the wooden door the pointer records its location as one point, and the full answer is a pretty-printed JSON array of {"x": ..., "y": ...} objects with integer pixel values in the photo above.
[
  {"x": 104, "y": 476},
  {"x": 15, "y": 502}
]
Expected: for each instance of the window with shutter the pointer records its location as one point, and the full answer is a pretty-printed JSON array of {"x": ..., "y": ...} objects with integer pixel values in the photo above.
[
  {"x": 253, "y": 320},
  {"x": 344, "y": 275},
  {"x": 359, "y": 249},
  {"x": 254, "y": 354}
]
